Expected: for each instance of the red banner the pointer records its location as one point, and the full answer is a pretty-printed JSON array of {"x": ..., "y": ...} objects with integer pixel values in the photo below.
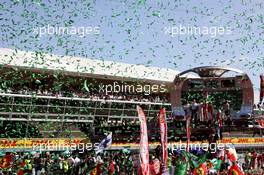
[
  {"x": 188, "y": 131},
  {"x": 163, "y": 138},
  {"x": 261, "y": 88},
  {"x": 144, "y": 152}
]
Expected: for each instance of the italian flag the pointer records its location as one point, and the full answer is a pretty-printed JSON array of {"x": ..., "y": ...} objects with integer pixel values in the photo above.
[
  {"x": 235, "y": 170},
  {"x": 201, "y": 170}
]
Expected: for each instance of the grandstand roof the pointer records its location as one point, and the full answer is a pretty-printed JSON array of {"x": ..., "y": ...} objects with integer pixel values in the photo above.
[
  {"x": 85, "y": 66},
  {"x": 211, "y": 71}
]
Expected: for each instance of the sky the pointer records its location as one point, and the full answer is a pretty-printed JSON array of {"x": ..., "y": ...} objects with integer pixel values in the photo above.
[{"x": 178, "y": 34}]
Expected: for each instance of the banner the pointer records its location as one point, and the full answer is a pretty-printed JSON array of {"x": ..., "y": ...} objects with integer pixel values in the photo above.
[
  {"x": 250, "y": 141},
  {"x": 261, "y": 89},
  {"x": 32, "y": 143},
  {"x": 16, "y": 144},
  {"x": 188, "y": 131},
  {"x": 163, "y": 139},
  {"x": 243, "y": 140},
  {"x": 144, "y": 152}
]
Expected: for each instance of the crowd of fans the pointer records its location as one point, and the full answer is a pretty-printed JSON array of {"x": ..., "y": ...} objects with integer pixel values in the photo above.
[
  {"x": 61, "y": 85},
  {"x": 126, "y": 162},
  {"x": 154, "y": 98},
  {"x": 207, "y": 112},
  {"x": 253, "y": 160},
  {"x": 65, "y": 163},
  {"x": 15, "y": 129}
]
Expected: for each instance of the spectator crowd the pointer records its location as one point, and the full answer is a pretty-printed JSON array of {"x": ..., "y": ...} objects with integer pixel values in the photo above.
[{"x": 126, "y": 162}]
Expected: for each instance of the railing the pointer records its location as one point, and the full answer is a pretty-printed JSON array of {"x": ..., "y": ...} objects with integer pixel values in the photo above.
[
  {"x": 82, "y": 99},
  {"x": 19, "y": 107}
]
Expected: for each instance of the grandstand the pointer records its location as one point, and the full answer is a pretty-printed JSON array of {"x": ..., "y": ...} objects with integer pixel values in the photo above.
[
  {"x": 50, "y": 96},
  {"x": 36, "y": 88}
]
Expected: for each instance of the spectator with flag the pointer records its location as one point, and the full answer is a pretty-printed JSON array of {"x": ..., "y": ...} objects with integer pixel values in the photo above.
[
  {"x": 231, "y": 153},
  {"x": 105, "y": 143},
  {"x": 235, "y": 170},
  {"x": 154, "y": 166},
  {"x": 201, "y": 170},
  {"x": 181, "y": 165}
]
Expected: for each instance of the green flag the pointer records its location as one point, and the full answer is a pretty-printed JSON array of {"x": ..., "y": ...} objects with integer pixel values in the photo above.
[
  {"x": 216, "y": 163},
  {"x": 203, "y": 158},
  {"x": 181, "y": 168},
  {"x": 192, "y": 159}
]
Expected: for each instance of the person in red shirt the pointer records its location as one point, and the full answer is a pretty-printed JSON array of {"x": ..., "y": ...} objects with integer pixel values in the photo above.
[
  {"x": 205, "y": 111},
  {"x": 21, "y": 169},
  {"x": 259, "y": 158},
  {"x": 210, "y": 113},
  {"x": 220, "y": 123},
  {"x": 262, "y": 160},
  {"x": 111, "y": 168},
  {"x": 254, "y": 159}
]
